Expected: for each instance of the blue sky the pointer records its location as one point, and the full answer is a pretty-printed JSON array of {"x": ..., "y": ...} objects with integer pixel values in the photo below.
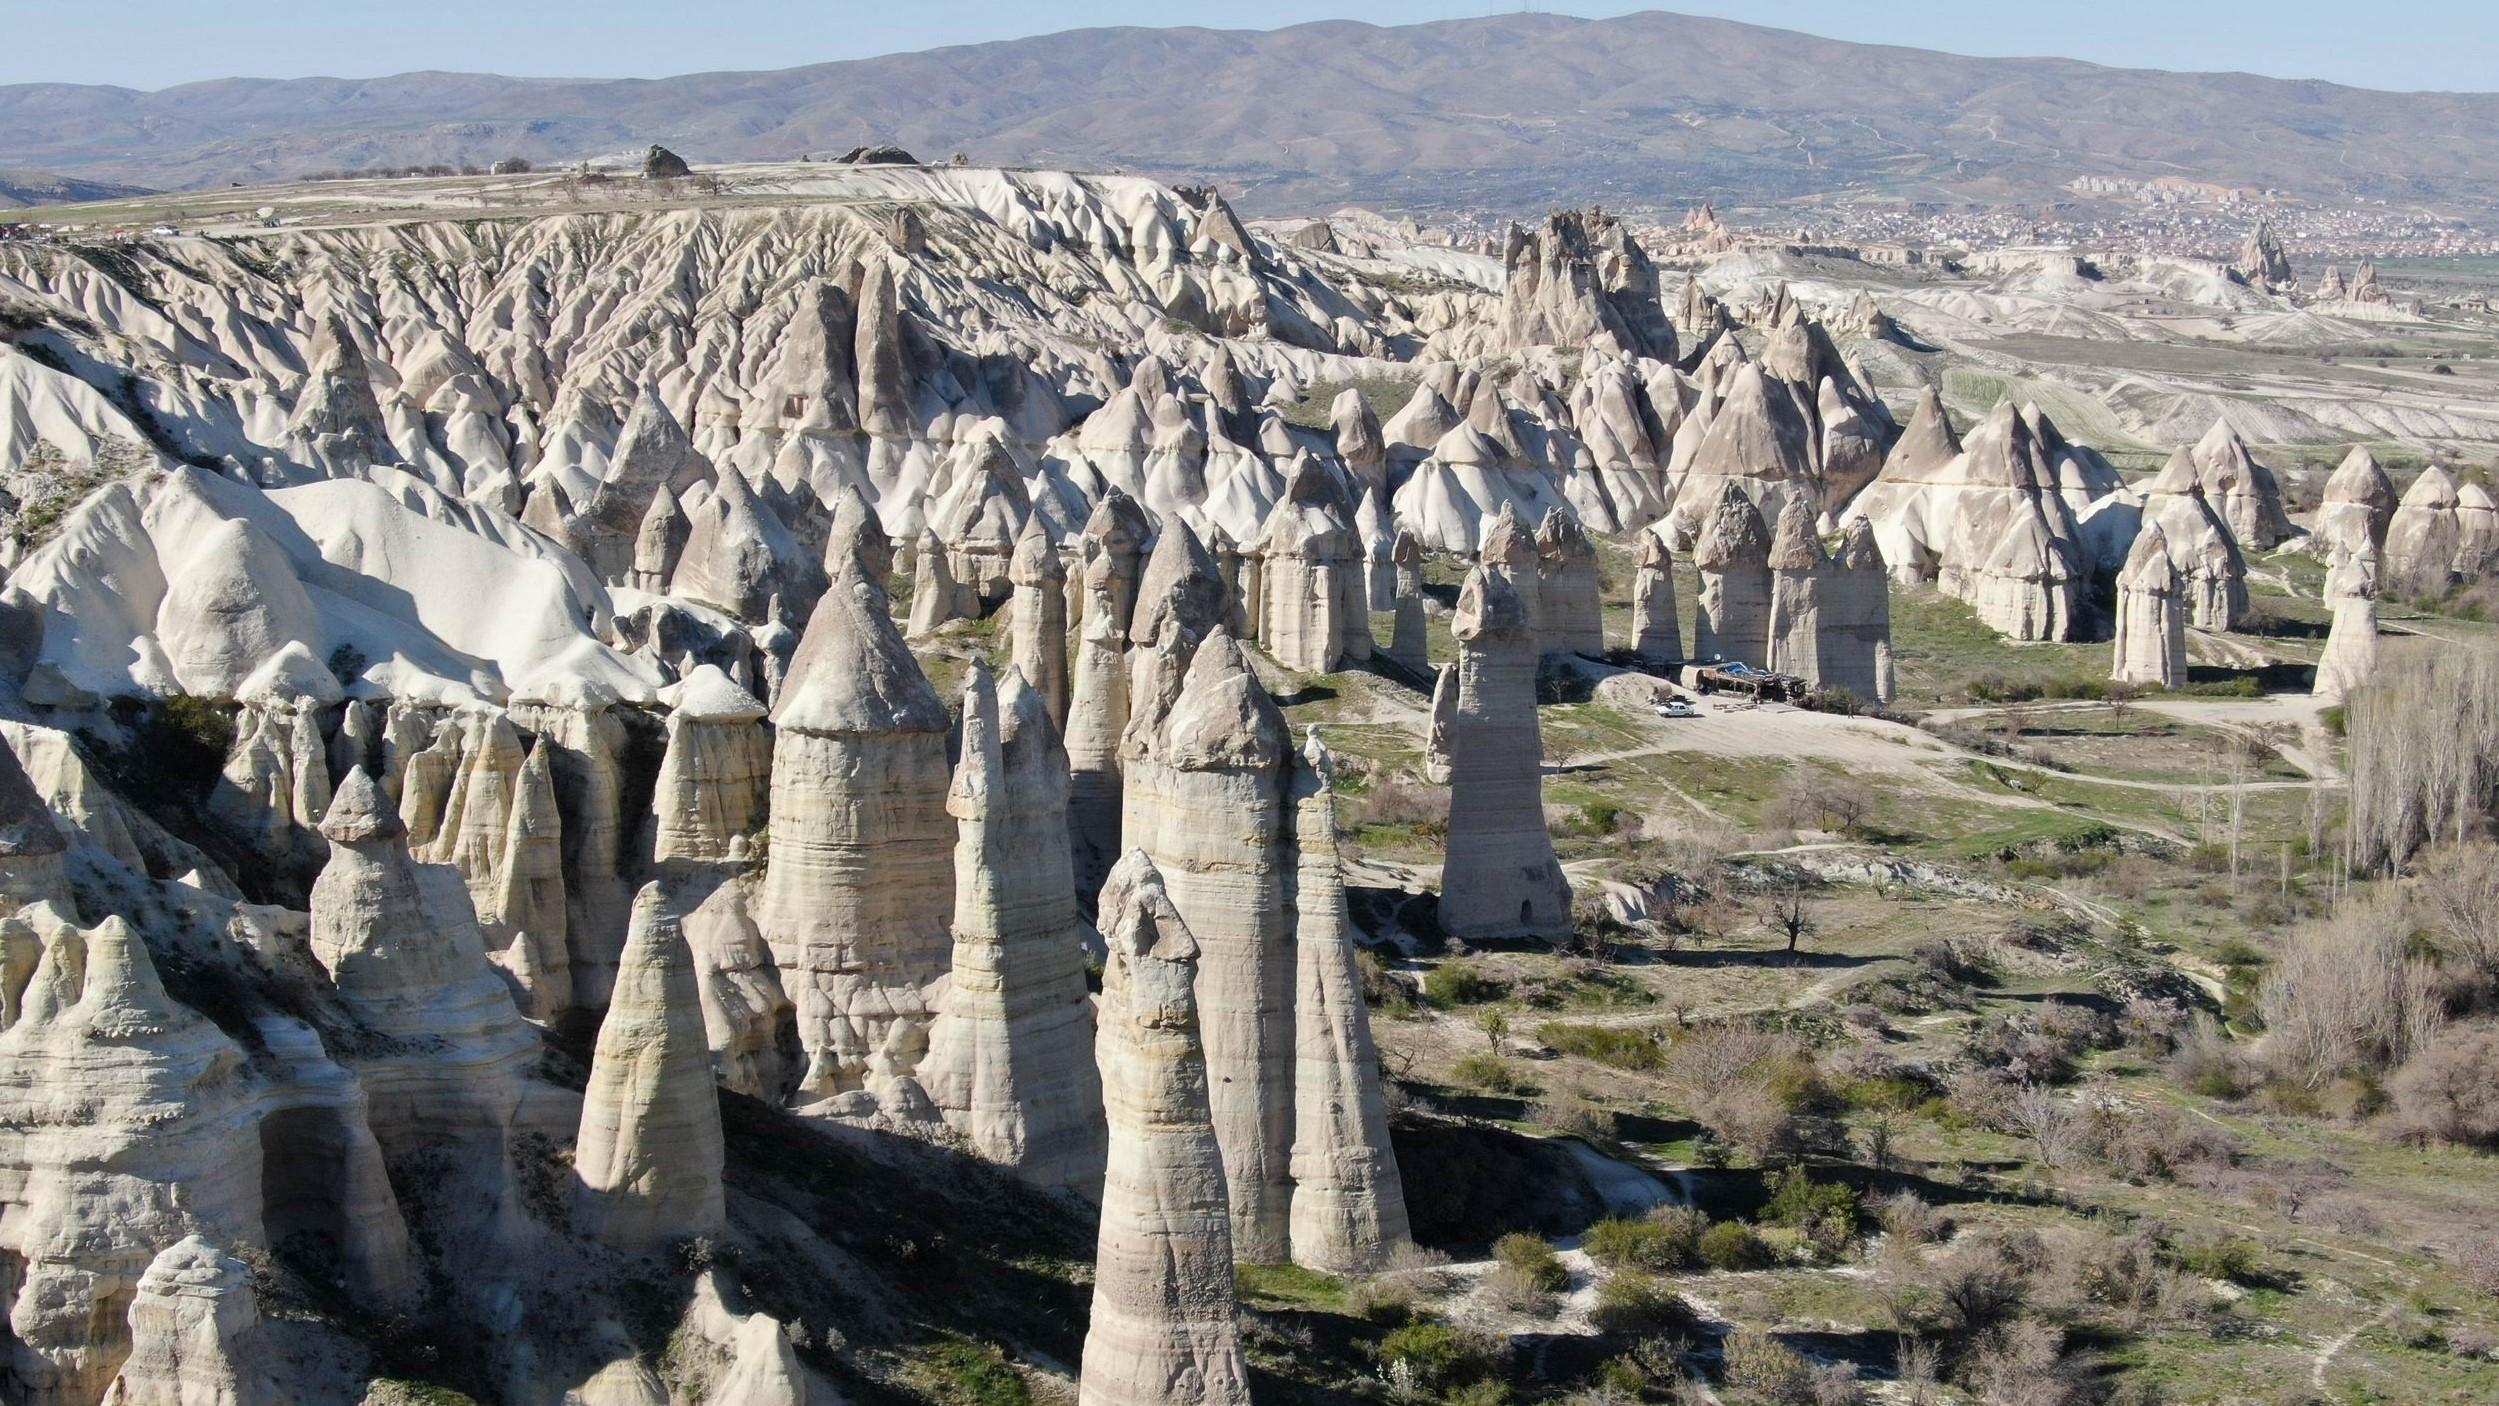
[{"x": 153, "y": 43}]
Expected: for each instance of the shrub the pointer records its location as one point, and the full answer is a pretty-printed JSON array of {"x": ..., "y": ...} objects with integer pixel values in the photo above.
[
  {"x": 1618, "y": 1046},
  {"x": 1489, "y": 1073},
  {"x": 2226, "y": 1257},
  {"x": 1456, "y": 984},
  {"x": 974, "y": 1374},
  {"x": 1762, "y": 1367},
  {"x": 1532, "y": 1260},
  {"x": 2347, "y": 994},
  {"x": 2446, "y": 1093},
  {"x": 1436, "y": 1357},
  {"x": 1670, "y": 1239},
  {"x": 1907, "y": 1219},
  {"x": 1733, "y": 1245},
  {"x": 1633, "y": 1304},
  {"x": 1801, "y": 1203}
]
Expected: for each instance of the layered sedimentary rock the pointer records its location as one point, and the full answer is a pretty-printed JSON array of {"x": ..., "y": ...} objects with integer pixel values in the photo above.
[
  {"x": 1756, "y": 441},
  {"x": 1857, "y": 617},
  {"x": 2244, "y": 492},
  {"x": 586, "y": 742},
  {"x": 1581, "y": 278},
  {"x": 1799, "y": 568},
  {"x": 1314, "y": 611},
  {"x": 1499, "y": 877},
  {"x": 526, "y": 922},
  {"x": 1656, "y": 632},
  {"x": 2425, "y": 537},
  {"x": 2151, "y": 615},
  {"x": 2350, "y": 659},
  {"x": 2359, "y": 506},
  {"x": 715, "y": 779},
  {"x": 1349, "y": 1209},
  {"x": 980, "y": 519},
  {"x": 127, "y": 1122},
  {"x": 1409, "y": 644},
  {"x": 477, "y": 815},
  {"x": 937, "y": 598},
  {"x": 1038, "y": 638},
  {"x": 195, "y": 1335},
  {"x": 1731, "y": 619},
  {"x": 1568, "y": 592},
  {"x": 1204, "y": 764},
  {"x": 856, "y": 898},
  {"x": 2210, "y": 568},
  {"x": 1162, "y": 1331},
  {"x": 31, "y": 846},
  {"x": 1010, "y": 1064},
  {"x": 650, "y": 1153}
]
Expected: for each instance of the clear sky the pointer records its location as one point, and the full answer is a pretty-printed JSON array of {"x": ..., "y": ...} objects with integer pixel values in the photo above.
[{"x": 155, "y": 43}]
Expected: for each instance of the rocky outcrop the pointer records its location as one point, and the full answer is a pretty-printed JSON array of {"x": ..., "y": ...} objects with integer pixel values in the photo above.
[
  {"x": 2350, "y": 659},
  {"x": 2151, "y": 615},
  {"x": 650, "y": 1153},
  {"x": 856, "y": 898},
  {"x": 1162, "y": 1332},
  {"x": 127, "y": 1122},
  {"x": 195, "y": 1335},
  {"x": 1037, "y": 639},
  {"x": 1409, "y": 641},
  {"x": 715, "y": 779},
  {"x": 1313, "y": 611},
  {"x": 980, "y": 518},
  {"x": 1758, "y": 442},
  {"x": 1009, "y": 1063},
  {"x": 1204, "y": 760},
  {"x": 586, "y": 741},
  {"x": 741, "y": 559},
  {"x": 1656, "y": 632},
  {"x": 1799, "y": 568},
  {"x": 477, "y": 814},
  {"x": 1731, "y": 618},
  {"x": 1499, "y": 877},
  {"x": 2244, "y": 492},
  {"x": 2262, "y": 261},
  {"x": 2425, "y": 537},
  {"x": 32, "y": 867},
  {"x": 525, "y": 924},
  {"x": 2211, "y": 570},
  {"x": 1857, "y": 617},
  {"x": 2359, "y": 506},
  {"x": 1569, "y": 597},
  {"x": 1581, "y": 278},
  {"x": 1349, "y": 1209}
]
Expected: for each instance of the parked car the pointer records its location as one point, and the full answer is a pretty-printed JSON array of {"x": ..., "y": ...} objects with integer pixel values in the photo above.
[{"x": 1677, "y": 708}]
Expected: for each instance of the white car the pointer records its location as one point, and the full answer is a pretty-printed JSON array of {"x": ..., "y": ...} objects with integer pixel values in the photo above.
[{"x": 1677, "y": 708}]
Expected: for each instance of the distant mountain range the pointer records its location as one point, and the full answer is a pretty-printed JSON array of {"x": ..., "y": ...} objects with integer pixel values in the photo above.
[{"x": 1505, "y": 114}]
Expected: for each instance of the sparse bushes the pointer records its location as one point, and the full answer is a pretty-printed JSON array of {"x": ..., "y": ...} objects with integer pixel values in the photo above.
[
  {"x": 1454, "y": 983},
  {"x": 2346, "y": 994},
  {"x": 2447, "y": 1092},
  {"x": 2224, "y": 1257},
  {"x": 1907, "y": 1220},
  {"x": 1617, "y": 1046},
  {"x": 1753, "y": 1090},
  {"x": 1489, "y": 1073},
  {"x": 1533, "y": 1261},
  {"x": 1434, "y": 1361},
  {"x": 1632, "y": 1303},
  {"x": 1763, "y": 1368},
  {"x": 1668, "y": 1240},
  {"x": 1733, "y": 1245}
]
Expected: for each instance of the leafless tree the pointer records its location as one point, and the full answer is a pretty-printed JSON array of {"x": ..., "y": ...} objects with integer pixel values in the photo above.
[{"x": 1787, "y": 909}]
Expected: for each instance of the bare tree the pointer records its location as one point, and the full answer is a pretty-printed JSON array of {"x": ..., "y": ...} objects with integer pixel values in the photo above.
[
  {"x": 2345, "y": 993},
  {"x": 1788, "y": 909},
  {"x": 2460, "y": 893}
]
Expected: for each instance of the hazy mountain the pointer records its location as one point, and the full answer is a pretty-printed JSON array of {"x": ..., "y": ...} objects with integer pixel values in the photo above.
[
  {"x": 1508, "y": 111},
  {"x": 22, "y": 188}
]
